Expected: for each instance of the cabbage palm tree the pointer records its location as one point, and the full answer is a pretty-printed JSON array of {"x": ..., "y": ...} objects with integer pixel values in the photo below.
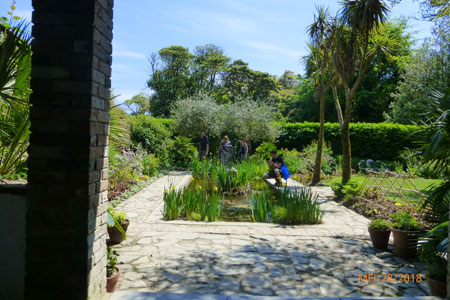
[
  {"x": 318, "y": 68},
  {"x": 355, "y": 37}
]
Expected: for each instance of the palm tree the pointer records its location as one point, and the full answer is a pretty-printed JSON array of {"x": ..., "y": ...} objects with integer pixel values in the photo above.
[
  {"x": 437, "y": 155},
  {"x": 318, "y": 68},
  {"x": 355, "y": 37}
]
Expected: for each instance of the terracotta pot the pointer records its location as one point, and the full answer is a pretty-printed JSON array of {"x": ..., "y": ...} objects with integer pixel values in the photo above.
[
  {"x": 405, "y": 243},
  {"x": 437, "y": 288},
  {"x": 380, "y": 238},
  {"x": 115, "y": 236},
  {"x": 111, "y": 282}
]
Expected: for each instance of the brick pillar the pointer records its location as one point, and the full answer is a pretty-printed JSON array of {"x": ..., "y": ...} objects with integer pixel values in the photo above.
[{"x": 68, "y": 153}]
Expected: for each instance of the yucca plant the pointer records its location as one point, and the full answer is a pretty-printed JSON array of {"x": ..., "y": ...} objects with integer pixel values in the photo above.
[{"x": 15, "y": 68}]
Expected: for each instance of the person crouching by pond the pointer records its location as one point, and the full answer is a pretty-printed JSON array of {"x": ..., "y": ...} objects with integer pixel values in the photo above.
[
  {"x": 225, "y": 150},
  {"x": 275, "y": 165},
  {"x": 203, "y": 147},
  {"x": 243, "y": 151}
]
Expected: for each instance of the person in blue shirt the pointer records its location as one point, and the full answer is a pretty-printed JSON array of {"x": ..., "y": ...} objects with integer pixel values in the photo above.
[{"x": 277, "y": 168}]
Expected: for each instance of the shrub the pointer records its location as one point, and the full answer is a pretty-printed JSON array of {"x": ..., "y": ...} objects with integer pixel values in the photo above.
[
  {"x": 403, "y": 220},
  {"x": 297, "y": 207},
  {"x": 152, "y": 135},
  {"x": 379, "y": 224},
  {"x": 381, "y": 141},
  {"x": 151, "y": 165},
  {"x": 263, "y": 150},
  {"x": 183, "y": 151},
  {"x": 125, "y": 169},
  {"x": 295, "y": 162},
  {"x": 348, "y": 190},
  {"x": 433, "y": 251}
]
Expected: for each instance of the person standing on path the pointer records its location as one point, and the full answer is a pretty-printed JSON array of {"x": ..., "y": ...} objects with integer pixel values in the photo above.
[
  {"x": 243, "y": 153},
  {"x": 225, "y": 150},
  {"x": 203, "y": 148}
]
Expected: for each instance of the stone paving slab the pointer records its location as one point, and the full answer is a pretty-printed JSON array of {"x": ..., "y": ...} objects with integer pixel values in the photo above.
[
  {"x": 255, "y": 259},
  {"x": 172, "y": 296}
]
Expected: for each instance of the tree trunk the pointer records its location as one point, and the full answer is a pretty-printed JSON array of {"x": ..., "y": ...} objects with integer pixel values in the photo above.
[
  {"x": 346, "y": 153},
  {"x": 318, "y": 162},
  {"x": 338, "y": 106},
  {"x": 345, "y": 135}
]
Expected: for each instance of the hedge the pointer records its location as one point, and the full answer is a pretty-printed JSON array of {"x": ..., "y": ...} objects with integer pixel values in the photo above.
[{"x": 381, "y": 141}]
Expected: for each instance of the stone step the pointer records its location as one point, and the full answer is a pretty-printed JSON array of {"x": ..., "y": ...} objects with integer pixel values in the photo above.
[{"x": 124, "y": 295}]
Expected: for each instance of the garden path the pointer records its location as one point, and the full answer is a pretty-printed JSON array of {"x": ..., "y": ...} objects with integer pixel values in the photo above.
[{"x": 255, "y": 258}]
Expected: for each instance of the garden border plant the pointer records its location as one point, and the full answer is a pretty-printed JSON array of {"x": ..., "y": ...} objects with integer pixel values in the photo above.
[
  {"x": 380, "y": 231},
  {"x": 406, "y": 230}
]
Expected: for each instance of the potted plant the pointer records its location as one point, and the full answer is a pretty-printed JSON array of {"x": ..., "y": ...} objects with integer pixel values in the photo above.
[
  {"x": 380, "y": 231},
  {"x": 117, "y": 225},
  {"x": 112, "y": 271},
  {"x": 406, "y": 230},
  {"x": 433, "y": 253}
]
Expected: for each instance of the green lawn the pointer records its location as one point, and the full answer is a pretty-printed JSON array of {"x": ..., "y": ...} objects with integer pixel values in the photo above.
[{"x": 413, "y": 198}]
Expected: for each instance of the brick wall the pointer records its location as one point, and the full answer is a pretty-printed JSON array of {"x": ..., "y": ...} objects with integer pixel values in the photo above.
[{"x": 71, "y": 69}]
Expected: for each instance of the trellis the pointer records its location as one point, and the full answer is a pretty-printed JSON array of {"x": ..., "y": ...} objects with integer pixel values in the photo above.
[{"x": 392, "y": 186}]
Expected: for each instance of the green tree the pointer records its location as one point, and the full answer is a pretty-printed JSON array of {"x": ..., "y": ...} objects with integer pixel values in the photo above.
[
  {"x": 435, "y": 9},
  {"x": 288, "y": 80},
  {"x": 170, "y": 78},
  {"x": 318, "y": 67},
  {"x": 235, "y": 81},
  {"x": 356, "y": 37},
  {"x": 209, "y": 64},
  {"x": 241, "y": 82},
  {"x": 375, "y": 93},
  {"x": 254, "y": 120},
  {"x": 138, "y": 104},
  {"x": 421, "y": 97}
]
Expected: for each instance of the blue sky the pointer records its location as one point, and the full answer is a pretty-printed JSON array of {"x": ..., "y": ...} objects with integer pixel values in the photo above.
[{"x": 268, "y": 34}]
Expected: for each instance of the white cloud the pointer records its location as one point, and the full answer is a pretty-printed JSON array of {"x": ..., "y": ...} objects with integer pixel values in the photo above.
[
  {"x": 272, "y": 49},
  {"x": 129, "y": 54}
]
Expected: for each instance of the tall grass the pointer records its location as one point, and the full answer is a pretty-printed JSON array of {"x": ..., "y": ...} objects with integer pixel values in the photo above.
[
  {"x": 262, "y": 206},
  {"x": 228, "y": 179},
  {"x": 193, "y": 203},
  {"x": 297, "y": 207},
  {"x": 173, "y": 204}
]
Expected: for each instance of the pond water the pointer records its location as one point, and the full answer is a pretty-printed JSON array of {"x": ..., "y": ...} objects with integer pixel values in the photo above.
[{"x": 237, "y": 205}]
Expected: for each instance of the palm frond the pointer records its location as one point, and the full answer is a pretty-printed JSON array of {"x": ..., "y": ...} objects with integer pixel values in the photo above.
[
  {"x": 364, "y": 15},
  {"x": 15, "y": 68}
]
